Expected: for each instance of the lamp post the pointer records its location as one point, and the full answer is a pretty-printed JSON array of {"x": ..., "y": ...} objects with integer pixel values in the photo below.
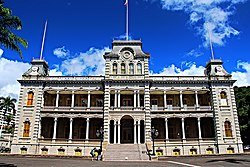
[
  {"x": 99, "y": 134},
  {"x": 154, "y": 134}
]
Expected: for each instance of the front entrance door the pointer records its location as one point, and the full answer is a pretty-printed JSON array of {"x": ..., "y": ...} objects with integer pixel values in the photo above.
[{"x": 127, "y": 130}]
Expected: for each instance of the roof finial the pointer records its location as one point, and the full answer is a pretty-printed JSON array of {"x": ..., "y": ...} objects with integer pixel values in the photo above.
[
  {"x": 211, "y": 44},
  {"x": 44, "y": 34}
]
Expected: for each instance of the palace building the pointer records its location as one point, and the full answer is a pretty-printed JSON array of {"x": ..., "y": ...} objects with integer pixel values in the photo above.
[{"x": 62, "y": 115}]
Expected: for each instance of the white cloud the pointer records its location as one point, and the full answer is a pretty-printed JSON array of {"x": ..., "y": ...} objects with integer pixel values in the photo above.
[
  {"x": 1, "y": 52},
  {"x": 192, "y": 70},
  {"x": 61, "y": 52},
  {"x": 242, "y": 74},
  {"x": 207, "y": 16},
  {"x": 55, "y": 72},
  {"x": 10, "y": 71},
  {"x": 243, "y": 78},
  {"x": 87, "y": 63}
]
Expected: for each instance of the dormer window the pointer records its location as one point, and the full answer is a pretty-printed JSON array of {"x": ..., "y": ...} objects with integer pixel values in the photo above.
[
  {"x": 114, "y": 68},
  {"x": 139, "y": 68},
  {"x": 123, "y": 68},
  {"x": 131, "y": 68}
]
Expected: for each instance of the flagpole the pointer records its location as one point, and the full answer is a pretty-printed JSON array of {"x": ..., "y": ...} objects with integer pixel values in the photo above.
[
  {"x": 127, "y": 21},
  {"x": 44, "y": 34},
  {"x": 211, "y": 45}
]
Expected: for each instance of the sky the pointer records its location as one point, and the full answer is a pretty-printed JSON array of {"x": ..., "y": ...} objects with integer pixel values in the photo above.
[{"x": 176, "y": 33}]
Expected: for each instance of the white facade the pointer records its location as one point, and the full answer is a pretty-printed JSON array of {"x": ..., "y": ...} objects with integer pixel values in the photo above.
[{"x": 193, "y": 114}]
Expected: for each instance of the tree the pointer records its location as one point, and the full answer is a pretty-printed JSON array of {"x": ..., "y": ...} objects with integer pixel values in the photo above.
[
  {"x": 6, "y": 105},
  {"x": 242, "y": 95},
  {"x": 8, "y": 24}
]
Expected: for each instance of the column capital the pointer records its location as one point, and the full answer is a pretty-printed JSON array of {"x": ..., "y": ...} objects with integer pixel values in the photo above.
[
  {"x": 166, "y": 119},
  {"x": 89, "y": 91},
  {"x": 73, "y": 91},
  {"x": 55, "y": 118},
  {"x": 71, "y": 119},
  {"x": 58, "y": 91},
  {"x": 164, "y": 92},
  {"x": 87, "y": 119},
  {"x": 196, "y": 91}
]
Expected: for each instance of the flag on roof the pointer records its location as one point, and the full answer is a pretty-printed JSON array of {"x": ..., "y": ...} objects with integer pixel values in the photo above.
[{"x": 126, "y": 3}]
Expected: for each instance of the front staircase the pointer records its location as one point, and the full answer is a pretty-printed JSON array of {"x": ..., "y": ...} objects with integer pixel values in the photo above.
[{"x": 126, "y": 152}]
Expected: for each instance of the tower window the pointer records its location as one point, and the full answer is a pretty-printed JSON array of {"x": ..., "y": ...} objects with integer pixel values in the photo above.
[
  {"x": 139, "y": 68},
  {"x": 223, "y": 98},
  {"x": 114, "y": 68},
  {"x": 131, "y": 68},
  {"x": 26, "y": 129},
  {"x": 123, "y": 68},
  {"x": 30, "y": 99},
  {"x": 228, "y": 129}
]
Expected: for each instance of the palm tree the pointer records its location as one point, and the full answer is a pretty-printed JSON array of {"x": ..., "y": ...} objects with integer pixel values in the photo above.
[
  {"x": 8, "y": 23},
  {"x": 6, "y": 105}
]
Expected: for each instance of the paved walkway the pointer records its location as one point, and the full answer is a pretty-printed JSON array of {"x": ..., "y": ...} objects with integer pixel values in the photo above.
[{"x": 223, "y": 161}]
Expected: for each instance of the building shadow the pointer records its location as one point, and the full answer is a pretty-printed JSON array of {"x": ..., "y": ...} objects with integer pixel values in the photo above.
[{"x": 229, "y": 160}]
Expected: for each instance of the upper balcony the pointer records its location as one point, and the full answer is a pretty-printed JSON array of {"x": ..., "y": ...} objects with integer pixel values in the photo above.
[
  {"x": 180, "y": 101},
  {"x": 79, "y": 101}
]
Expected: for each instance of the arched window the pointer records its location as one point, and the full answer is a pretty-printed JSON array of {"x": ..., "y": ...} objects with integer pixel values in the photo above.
[
  {"x": 123, "y": 68},
  {"x": 223, "y": 98},
  {"x": 26, "y": 128},
  {"x": 114, "y": 68},
  {"x": 30, "y": 99},
  {"x": 139, "y": 68},
  {"x": 131, "y": 68},
  {"x": 228, "y": 129}
]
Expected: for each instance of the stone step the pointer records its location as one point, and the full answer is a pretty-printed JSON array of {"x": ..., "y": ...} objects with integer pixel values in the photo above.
[{"x": 123, "y": 152}]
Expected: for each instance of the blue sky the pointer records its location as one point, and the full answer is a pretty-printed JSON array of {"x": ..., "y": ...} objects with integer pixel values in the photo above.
[{"x": 175, "y": 33}]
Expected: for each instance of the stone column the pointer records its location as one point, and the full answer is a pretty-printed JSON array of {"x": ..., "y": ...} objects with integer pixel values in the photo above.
[
  {"x": 181, "y": 100},
  {"x": 119, "y": 99},
  {"x": 139, "y": 132},
  {"x": 87, "y": 129},
  {"x": 73, "y": 100},
  {"x": 115, "y": 132},
  {"x": 165, "y": 99},
  {"x": 70, "y": 128},
  {"x": 183, "y": 128},
  {"x": 135, "y": 133},
  {"x": 115, "y": 103},
  {"x": 138, "y": 99},
  {"x": 196, "y": 99},
  {"x": 199, "y": 127},
  {"x": 135, "y": 93},
  {"x": 57, "y": 98},
  {"x": 88, "y": 100},
  {"x": 55, "y": 127},
  {"x": 166, "y": 126},
  {"x": 119, "y": 132}
]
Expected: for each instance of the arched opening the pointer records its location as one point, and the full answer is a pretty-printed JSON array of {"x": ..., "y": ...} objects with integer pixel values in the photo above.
[
  {"x": 123, "y": 68},
  {"x": 228, "y": 129},
  {"x": 131, "y": 68},
  {"x": 127, "y": 129},
  {"x": 26, "y": 128},
  {"x": 114, "y": 68},
  {"x": 223, "y": 98},
  {"x": 30, "y": 98},
  {"x": 139, "y": 68}
]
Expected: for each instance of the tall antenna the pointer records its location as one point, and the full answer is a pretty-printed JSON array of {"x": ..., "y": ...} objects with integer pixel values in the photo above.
[
  {"x": 44, "y": 34},
  {"x": 211, "y": 44},
  {"x": 127, "y": 17}
]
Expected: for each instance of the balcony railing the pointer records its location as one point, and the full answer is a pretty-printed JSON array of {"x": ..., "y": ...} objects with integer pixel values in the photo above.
[
  {"x": 126, "y": 108},
  {"x": 185, "y": 108},
  {"x": 70, "y": 109}
]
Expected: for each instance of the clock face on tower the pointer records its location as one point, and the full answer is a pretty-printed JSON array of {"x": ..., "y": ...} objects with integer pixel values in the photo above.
[{"x": 127, "y": 54}]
